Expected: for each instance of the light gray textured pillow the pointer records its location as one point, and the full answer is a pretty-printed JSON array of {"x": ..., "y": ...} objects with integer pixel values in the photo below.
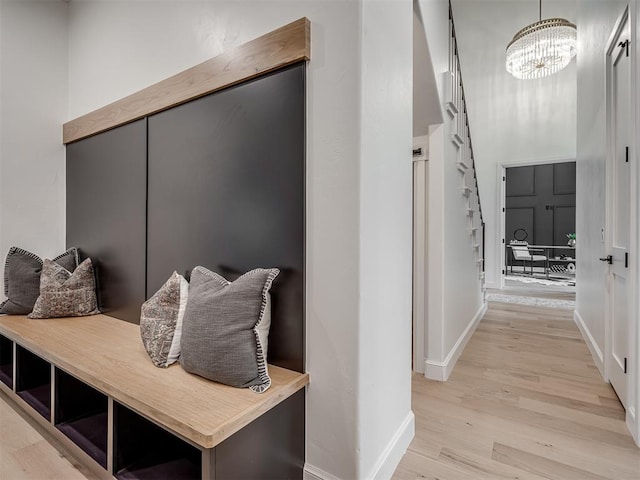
[
  {"x": 225, "y": 329},
  {"x": 161, "y": 321},
  {"x": 66, "y": 294},
  {"x": 22, "y": 278}
]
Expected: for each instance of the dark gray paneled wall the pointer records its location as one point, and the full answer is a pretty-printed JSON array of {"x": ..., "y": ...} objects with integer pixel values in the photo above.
[
  {"x": 217, "y": 182},
  {"x": 226, "y": 191},
  {"x": 106, "y": 213},
  {"x": 540, "y": 203}
]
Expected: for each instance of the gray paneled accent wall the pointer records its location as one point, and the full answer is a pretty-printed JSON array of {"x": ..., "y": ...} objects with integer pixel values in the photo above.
[
  {"x": 226, "y": 191},
  {"x": 540, "y": 203},
  {"x": 218, "y": 181},
  {"x": 106, "y": 213}
]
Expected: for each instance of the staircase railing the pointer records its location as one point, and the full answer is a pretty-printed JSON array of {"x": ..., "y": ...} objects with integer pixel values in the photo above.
[{"x": 456, "y": 107}]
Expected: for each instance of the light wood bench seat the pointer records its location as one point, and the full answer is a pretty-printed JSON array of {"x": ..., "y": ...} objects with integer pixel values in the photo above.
[
  {"x": 107, "y": 354},
  {"x": 89, "y": 383}
]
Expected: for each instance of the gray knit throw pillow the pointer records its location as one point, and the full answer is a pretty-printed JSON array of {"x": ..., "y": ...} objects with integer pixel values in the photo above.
[
  {"x": 22, "y": 278},
  {"x": 161, "y": 321},
  {"x": 66, "y": 294},
  {"x": 225, "y": 328}
]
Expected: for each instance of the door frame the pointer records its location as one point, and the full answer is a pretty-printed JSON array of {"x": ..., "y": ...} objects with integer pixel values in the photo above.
[
  {"x": 501, "y": 246},
  {"x": 420, "y": 179},
  {"x": 633, "y": 379}
]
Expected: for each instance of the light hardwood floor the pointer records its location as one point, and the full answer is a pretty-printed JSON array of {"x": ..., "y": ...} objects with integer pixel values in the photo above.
[
  {"x": 525, "y": 401},
  {"x": 25, "y": 454}
]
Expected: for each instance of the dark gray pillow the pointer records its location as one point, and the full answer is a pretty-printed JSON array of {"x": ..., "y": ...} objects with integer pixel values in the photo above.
[
  {"x": 22, "y": 278},
  {"x": 161, "y": 321},
  {"x": 66, "y": 294},
  {"x": 225, "y": 328}
]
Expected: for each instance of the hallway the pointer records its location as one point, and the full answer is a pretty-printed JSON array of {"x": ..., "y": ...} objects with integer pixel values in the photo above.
[{"x": 525, "y": 401}]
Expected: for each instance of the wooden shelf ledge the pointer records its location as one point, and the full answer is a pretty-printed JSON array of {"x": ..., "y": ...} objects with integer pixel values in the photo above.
[
  {"x": 107, "y": 354},
  {"x": 279, "y": 48}
]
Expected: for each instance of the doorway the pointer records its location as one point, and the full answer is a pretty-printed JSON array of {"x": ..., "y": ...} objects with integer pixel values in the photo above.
[{"x": 538, "y": 224}]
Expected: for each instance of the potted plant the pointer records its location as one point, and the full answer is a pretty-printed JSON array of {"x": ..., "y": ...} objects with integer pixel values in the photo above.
[{"x": 572, "y": 239}]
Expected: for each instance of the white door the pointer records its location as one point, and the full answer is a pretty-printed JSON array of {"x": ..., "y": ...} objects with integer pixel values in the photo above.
[{"x": 619, "y": 212}]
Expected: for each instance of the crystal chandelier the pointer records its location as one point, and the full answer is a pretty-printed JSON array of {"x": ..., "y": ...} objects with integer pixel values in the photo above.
[{"x": 542, "y": 48}]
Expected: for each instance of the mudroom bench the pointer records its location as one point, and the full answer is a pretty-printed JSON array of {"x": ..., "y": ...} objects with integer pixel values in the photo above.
[{"x": 90, "y": 383}]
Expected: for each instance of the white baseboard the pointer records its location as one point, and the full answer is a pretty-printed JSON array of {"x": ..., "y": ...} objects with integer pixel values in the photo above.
[
  {"x": 633, "y": 424},
  {"x": 596, "y": 353},
  {"x": 314, "y": 473},
  {"x": 396, "y": 448},
  {"x": 388, "y": 461},
  {"x": 435, "y": 370},
  {"x": 492, "y": 285}
]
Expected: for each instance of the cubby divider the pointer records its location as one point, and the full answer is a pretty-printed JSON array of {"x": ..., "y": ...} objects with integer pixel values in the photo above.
[
  {"x": 81, "y": 413},
  {"x": 143, "y": 450},
  {"x": 33, "y": 381},
  {"x": 6, "y": 361}
]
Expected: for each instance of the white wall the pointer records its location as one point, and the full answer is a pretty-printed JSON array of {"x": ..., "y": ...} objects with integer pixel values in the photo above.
[
  {"x": 635, "y": 429},
  {"x": 595, "y": 22},
  {"x": 455, "y": 291},
  {"x": 358, "y": 189},
  {"x": 33, "y": 106},
  {"x": 432, "y": 13},
  {"x": 426, "y": 102},
  {"x": 511, "y": 121},
  {"x": 455, "y": 298},
  {"x": 385, "y": 232}
]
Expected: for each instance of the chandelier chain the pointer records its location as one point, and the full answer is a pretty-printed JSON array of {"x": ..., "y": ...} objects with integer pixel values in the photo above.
[{"x": 540, "y": 11}]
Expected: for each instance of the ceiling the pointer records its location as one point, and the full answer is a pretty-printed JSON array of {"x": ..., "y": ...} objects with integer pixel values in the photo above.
[{"x": 506, "y": 115}]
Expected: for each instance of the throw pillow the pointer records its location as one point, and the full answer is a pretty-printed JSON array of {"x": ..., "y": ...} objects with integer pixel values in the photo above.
[
  {"x": 161, "y": 321},
  {"x": 22, "y": 278},
  {"x": 66, "y": 294},
  {"x": 225, "y": 329}
]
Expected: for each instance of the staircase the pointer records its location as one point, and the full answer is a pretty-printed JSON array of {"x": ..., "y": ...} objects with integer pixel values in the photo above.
[{"x": 456, "y": 108}]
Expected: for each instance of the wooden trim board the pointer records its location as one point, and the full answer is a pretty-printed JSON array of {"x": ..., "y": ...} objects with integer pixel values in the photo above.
[
  {"x": 276, "y": 49},
  {"x": 107, "y": 354}
]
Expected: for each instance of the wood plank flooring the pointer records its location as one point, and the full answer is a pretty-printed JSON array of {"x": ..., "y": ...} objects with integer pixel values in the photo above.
[
  {"x": 25, "y": 453},
  {"x": 525, "y": 401}
]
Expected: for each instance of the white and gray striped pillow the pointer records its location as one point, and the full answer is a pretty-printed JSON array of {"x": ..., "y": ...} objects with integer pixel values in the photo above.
[{"x": 226, "y": 326}]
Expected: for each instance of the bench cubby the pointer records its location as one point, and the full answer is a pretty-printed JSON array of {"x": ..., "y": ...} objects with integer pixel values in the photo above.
[
  {"x": 33, "y": 381},
  {"x": 81, "y": 413},
  {"x": 6, "y": 361},
  {"x": 144, "y": 450}
]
